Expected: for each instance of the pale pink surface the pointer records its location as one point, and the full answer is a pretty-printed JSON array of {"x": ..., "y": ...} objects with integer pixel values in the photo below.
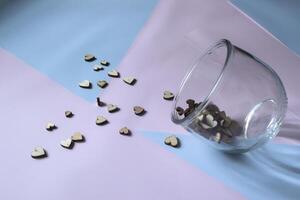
[{"x": 106, "y": 166}]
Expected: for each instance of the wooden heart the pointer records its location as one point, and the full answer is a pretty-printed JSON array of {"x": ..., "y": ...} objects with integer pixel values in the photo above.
[
  {"x": 211, "y": 121},
  {"x": 113, "y": 73},
  {"x": 218, "y": 137},
  {"x": 168, "y": 95},
  {"x": 67, "y": 143},
  {"x": 172, "y": 141},
  {"x": 85, "y": 84},
  {"x": 101, "y": 120},
  {"x": 50, "y": 126},
  {"x": 69, "y": 114},
  {"x": 124, "y": 131},
  {"x": 129, "y": 80},
  {"x": 77, "y": 137},
  {"x": 138, "y": 110},
  {"x": 38, "y": 152},
  {"x": 112, "y": 108},
  {"x": 98, "y": 67},
  {"x": 102, "y": 83},
  {"x": 104, "y": 63},
  {"x": 89, "y": 57}
]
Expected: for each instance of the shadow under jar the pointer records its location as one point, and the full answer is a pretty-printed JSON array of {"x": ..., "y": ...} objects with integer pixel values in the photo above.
[{"x": 231, "y": 99}]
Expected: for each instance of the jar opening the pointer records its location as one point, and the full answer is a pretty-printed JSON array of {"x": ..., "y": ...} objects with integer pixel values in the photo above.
[{"x": 202, "y": 77}]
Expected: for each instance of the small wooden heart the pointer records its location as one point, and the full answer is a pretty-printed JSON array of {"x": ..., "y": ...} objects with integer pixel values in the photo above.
[
  {"x": 85, "y": 84},
  {"x": 218, "y": 137},
  {"x": 89, "y": 57},
  {"x": 101, "y": 120},
  {"x": 102, "y": 83},
  {"x": 138, "y": 110},
  {"x": 77, "y": 137},
  {"x": 38, "y": 152},
  {"x": 211, "y": 121},
  {"x": 125, "y": 131},
  {"x": 172, "y": 141},
  {"x": 104, "y": 63},
  {"x": 168, "y": 95},
  {"x": 112, "y": 108},
  {"x": 113, "y": 73},
  {"x": 129, "y": 80},
  {"x": 67, "y": 143},
  {"x": 98, "y": 67},
  {"x": 50, "y": 126},
  {"x": 68, "y": 114}
]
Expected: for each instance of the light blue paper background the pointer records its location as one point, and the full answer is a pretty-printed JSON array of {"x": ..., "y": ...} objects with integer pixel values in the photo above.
[
  {"x": 279, "y": 17},
  {"x": 271, "y": 172},
  {"x": 53, "y": 36}
]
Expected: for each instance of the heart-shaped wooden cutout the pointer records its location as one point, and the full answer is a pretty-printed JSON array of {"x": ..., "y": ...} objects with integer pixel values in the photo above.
[
  {"x": 85, "y": 84},
  {"x": 172, "y": 141},
  {"x": 77, "y": 137},
  {"x": 38, "y": 152},
  {"x": 104, "y": 63},
  {"x": 98, "y": 67},
  {"x": 138, "y": 110},
  {"x": 101, "y": 120},
  {"x": 50, "y": 126},
  {"x": 112, "y": 108},
  {"x": 67, "y": 143},
  {"x": 89, "y": 57},
  {"x": 102, "y": 83},
  {"x": 124, "y": 131},
  {"x": 113, "y": 73},
  {"x": 68, "y": 114},
  {"x": 129, "y": 80},
  {"x": 168, "y": 95},
  {"x": 211, "y": 121},
  {"x": 218, "y": 137}
]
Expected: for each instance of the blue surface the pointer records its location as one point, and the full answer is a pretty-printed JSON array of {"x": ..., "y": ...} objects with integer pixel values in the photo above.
[
  {"x": 279, "y": 17},
  {"x": 271, "y": 172},
  {"x": 53, "y": 36}
]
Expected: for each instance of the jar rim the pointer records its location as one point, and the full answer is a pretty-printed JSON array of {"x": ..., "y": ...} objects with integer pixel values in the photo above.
[{"x": 191, "y": 116}]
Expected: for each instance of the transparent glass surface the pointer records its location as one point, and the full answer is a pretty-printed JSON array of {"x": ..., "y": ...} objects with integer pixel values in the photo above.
[{"x": 230, "y": 99}]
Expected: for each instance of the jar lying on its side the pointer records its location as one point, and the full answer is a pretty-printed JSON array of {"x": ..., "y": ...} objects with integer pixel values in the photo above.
[{"x": 231, "y": 98}]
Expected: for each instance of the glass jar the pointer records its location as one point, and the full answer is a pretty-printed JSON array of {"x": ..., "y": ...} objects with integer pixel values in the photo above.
[{"x": 230, "y": 99}]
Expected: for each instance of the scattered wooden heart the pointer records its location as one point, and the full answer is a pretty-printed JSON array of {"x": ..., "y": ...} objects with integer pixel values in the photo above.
[
  {"x": 50, "y": 126},
  {"x": 125, "y": 131},
  {"x": 168, "y": 95},
  {"x": 89, "y": 57},
  {"x": 138, "y": 110},
  {"x": 172, "y": 141},
  {"x": 38, "y": 152},
  {"x": 129, "y": 80},
  {"x": 98, "y": 67},
  {"x": 77, "y": 137},
  {"x": 67, "y": 143},
  {"x": 101, "y": 120},
  {"x": 113, "y": 73},
  {"x": 102, "y": 83},
  {"x": 85, "y": 84},
  {"x": 112, "y": 108},
  {"x": 68, "y": 114},
  {"x": 104, "y": 63},
  {"x": 100, "y": 103}
]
